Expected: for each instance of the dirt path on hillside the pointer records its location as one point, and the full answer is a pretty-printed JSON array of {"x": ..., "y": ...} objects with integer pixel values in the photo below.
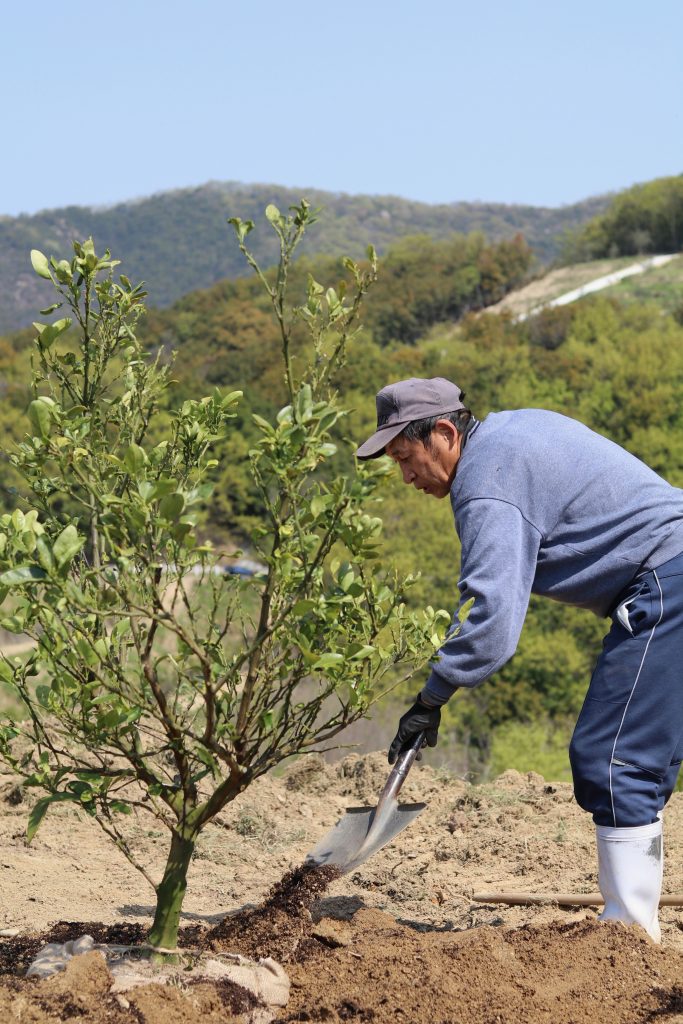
[
  {"x": 401, "y": 938},
  {"x": 567, "y": 284}
]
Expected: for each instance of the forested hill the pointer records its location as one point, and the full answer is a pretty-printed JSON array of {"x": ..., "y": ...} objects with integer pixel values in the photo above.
[{"x": 178, "y": 241}]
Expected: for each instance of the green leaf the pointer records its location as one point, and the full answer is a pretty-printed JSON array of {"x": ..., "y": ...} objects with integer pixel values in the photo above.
[
  {"x": 319, "y": 503},
  {"x": 180, "y": 531},
  {"x": 45, "y": 556},
  {"x": 329, "y": 661},
  {"x": 40, "y": 417},
  {"x": 346, "y": 579},
  {"x": 171, "y": 506},
  {"x": 36, "y": 816},
  {"x": 46, "y": 335},
  {"x": 59, "y": 326},
  {"x": 242, "y": 227},
  {"x": 22, "y": 574},
  {"x": 121, "y": 629},
  {"x": 119, "y": 807},
  {"x": 465, "y": 609},
  {"x": 273, "y": 214},
  {"x": 364, "y": 652},
  {"x": 40, "y": 810},
  {"x": 40, "y": 264},
  {"x": 62, "y": 270},
  {"x": 304, "y": 403},
  {"x": 146, "y": 489},
  {"x": 327, "y": 420},
  {"x": 13, "y": 624},
  {"x": 231, "y": 399},
  {"x": 267, "y": 720},
  {"x": 135, "y": 459},
  {"x": 67, "y": 545},
  {"x": 43, "y": 694},
  {"x": 85, "y": 650},
  {"x": 263, "y": 424},
  {"x": 164, "y": 485}
]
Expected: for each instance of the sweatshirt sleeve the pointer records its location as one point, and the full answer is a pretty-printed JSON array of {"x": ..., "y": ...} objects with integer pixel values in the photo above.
[{"x": 498, "y": 564}]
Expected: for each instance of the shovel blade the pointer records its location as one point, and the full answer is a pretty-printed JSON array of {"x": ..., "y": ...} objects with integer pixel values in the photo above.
[{"x": 351, "y": 841}]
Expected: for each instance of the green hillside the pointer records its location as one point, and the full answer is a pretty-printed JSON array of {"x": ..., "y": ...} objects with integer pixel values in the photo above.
[{"x": 177, "y": 241}]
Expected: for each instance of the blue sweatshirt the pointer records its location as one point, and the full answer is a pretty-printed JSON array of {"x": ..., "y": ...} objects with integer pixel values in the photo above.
[{"x": 543, "y": 505}]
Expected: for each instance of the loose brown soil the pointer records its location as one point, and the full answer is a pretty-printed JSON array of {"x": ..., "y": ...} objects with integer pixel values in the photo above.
[
  {"x": 280, "y": 923},
  {"x": 400, "y": 939}
]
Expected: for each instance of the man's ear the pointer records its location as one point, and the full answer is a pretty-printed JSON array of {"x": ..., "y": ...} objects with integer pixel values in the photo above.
[{"x": 447, "y": 430}]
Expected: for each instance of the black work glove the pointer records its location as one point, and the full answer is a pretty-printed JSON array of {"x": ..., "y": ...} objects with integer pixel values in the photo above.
[{"x": 419, "y": 718}]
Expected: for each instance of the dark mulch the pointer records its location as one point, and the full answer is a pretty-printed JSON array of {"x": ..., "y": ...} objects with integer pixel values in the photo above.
[
  {"x": 18, "y": 951},
  {"x": 281, "y": 922}
]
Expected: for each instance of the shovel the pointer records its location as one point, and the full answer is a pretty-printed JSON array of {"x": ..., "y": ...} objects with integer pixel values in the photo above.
[{"x": 365, "y": 830}]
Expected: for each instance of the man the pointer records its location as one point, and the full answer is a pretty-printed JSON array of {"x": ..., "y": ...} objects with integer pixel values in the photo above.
[{"x": 544, "y": 505}]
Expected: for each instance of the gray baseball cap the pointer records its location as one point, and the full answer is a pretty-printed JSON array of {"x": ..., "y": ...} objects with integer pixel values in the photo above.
[{"x": 407, "y": 400}]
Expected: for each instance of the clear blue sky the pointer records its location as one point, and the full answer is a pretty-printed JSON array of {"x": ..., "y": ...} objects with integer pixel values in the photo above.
[{"x": 438, "y": 100}]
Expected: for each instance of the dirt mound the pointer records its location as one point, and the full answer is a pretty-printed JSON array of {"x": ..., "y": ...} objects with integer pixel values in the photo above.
[{"x": 575, "y": 973}]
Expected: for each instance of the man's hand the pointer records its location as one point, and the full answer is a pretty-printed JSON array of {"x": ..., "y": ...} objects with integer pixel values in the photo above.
[{"x": 419, "y": 718}]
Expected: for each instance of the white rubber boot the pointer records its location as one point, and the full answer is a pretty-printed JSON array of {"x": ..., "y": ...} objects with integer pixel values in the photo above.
[{"x": 630, "y": 874}]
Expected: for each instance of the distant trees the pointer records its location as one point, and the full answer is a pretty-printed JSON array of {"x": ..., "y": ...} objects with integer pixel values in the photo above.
[
  {"x": 645, "y": 218},
  {"x": 424, "y": 282}
]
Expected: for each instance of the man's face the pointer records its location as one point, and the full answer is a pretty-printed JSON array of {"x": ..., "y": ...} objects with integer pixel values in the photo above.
[{"x": 430, "y": 469}]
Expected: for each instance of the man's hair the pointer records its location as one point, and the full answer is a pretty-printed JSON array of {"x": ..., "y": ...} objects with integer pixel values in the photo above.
[{"x": 421, "y": 430}]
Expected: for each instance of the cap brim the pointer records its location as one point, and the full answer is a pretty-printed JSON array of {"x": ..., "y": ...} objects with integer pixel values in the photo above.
[{"x": 375, "y": 445}]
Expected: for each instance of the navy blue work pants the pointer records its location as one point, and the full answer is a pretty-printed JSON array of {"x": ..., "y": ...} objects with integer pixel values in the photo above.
[{"x": 628, "y": 743}]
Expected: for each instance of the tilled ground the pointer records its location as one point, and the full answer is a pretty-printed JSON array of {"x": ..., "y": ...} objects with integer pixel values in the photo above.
[{"x": 400, "y": 939}]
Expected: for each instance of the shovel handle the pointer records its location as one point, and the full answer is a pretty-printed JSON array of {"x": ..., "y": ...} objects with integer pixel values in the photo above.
[
  {"x": 405, "y": 759},
  {"x": 404, "y": 763}
]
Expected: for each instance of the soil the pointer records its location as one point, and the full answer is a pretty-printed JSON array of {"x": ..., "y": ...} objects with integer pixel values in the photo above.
[{"x": 399, "y": 939}]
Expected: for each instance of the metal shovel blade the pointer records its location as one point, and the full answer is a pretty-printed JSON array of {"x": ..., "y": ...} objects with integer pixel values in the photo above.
[
  {"x": 353, "y": 839},
  {"x": 365, "y": 830}
]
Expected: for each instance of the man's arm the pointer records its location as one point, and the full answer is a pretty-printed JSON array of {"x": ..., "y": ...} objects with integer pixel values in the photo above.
[{"x": 498, "y": 564}]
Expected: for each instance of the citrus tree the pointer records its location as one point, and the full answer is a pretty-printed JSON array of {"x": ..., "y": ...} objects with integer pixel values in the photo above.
[{"x": 159, "y": 683}]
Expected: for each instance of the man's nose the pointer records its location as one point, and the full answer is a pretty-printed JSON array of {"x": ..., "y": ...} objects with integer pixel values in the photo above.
[{"x": 408, "y": 475}]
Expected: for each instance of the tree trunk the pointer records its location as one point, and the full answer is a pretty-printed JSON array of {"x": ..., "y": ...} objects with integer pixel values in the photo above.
[{"x": 171, "y": 893}]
